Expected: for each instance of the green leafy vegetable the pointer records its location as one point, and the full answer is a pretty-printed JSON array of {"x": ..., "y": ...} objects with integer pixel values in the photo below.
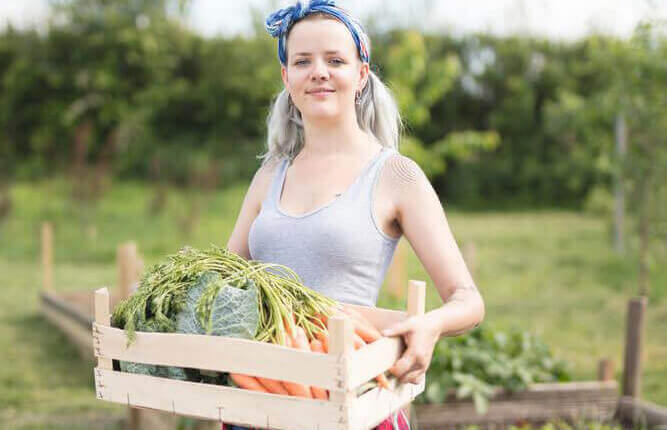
[
  {"x": 216, "y": 292},
  {"x": 476, "y": 364}
]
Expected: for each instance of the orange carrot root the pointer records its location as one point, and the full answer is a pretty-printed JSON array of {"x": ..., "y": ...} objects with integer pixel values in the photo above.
[
  {"x": 273, "y": 386},
  {"x": 247, "y": 382}
]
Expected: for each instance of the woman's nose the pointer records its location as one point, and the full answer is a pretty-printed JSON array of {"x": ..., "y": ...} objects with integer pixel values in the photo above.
[{"x": 320, "y": 71}]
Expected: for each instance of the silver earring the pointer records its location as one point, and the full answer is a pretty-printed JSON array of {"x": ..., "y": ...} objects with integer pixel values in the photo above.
[{"x": 357, "y": 98}]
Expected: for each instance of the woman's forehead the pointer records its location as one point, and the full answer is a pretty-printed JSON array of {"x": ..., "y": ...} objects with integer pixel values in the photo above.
[{"x": 320, "y": 36}]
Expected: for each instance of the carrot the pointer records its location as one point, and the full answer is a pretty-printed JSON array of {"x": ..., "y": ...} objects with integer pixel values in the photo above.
[
  {"x": 358, "y": 341},
  {"x": 293, "y": 388},
  {"x": 316, "y": 346},
  {"x": 247, "y": 382},
  {"x": 323, "y": 337},
  {"x": 273, "y": 386},
  {"x": 382, "y": 381},
  {"x": 289, "y": 327},
  {"x": 367, "y": 332},
  {"x": 321, "y": 318},
  {"x": 363, "y": 327},
  {"x": 301, "y": 339},
  {"x": 318, "y": 393}
]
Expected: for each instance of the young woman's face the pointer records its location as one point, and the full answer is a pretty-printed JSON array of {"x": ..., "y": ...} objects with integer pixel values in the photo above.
[{"x": 322, "y": 54}]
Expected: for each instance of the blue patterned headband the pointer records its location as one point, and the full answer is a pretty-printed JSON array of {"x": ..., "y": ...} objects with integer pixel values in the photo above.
[{"x": 279, "y": 23}]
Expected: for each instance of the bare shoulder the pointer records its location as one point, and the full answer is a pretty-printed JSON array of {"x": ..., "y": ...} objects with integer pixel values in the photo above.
[
  {"x": 401, "y": 173},
  {"x": 252, "y": 204},
  {"x": 262, "y": 180},
  {"x": 401, "y": 185}
]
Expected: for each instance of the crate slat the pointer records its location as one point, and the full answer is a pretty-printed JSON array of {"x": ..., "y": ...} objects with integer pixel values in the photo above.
[
  {"x": 221, "y": 354},
  {"x": 365, "y": 412},
  {"x": 379, "y": 317},
  {"x": 220, "y": 403},
  {"x": 371, "y": 360}
]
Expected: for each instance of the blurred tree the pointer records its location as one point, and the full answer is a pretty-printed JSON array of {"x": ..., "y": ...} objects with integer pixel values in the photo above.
[
  {"x": 420, "y": 76},
  {"x": 640, "y": 80}
]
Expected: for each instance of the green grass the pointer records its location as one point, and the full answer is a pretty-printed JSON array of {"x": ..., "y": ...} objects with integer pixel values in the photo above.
[{"x": 551, "y": 272}]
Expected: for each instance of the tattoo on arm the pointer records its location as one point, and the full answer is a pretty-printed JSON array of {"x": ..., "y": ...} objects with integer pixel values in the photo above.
[
  {"x": 459, "y": 295},
  {"x": 460, "y": 292},
  {"x": 404, "y": 169}
]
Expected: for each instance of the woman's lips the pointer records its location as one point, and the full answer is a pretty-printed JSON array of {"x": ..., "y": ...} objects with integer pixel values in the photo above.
[{"x": 320, "y": 93}]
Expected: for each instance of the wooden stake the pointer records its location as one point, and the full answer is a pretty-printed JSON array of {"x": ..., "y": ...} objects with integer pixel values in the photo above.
[
  {"x": 605, "y": 370},
  {"x": 396, "y": 275},
  {"x": 127, "y": 261},
  {"x": 416, "y": 298},
  {"x": 633, "y": 343},
  {"x": 47, "y": 256},
  {"x": 619, "y": 193}
]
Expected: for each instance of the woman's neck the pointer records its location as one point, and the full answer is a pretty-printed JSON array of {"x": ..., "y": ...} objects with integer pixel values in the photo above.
[{"x": 324, "y": 140}]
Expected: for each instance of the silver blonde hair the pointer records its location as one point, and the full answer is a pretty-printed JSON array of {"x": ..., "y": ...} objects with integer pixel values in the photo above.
[{"x": 377, "y": 114}]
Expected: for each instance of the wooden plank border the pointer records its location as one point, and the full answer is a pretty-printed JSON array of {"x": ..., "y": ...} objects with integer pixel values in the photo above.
[
  {"x": 221, "y": 354},
  {"x": 540, "y": 402},
  {"x": 220, "y": 403},
  {"x": 366, "y": 414}
]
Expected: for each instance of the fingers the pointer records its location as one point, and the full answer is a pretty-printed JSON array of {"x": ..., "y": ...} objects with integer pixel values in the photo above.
[
  {"x": 399, "y": 328},
  {"x": 414, "y": 377},
  {"x": 410, "y": 366}
]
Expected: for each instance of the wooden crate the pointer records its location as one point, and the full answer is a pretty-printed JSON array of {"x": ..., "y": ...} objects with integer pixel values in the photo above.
[{"x": 340, "y": 371}]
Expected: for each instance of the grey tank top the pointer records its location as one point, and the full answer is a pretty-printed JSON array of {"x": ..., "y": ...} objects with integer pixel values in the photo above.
[{"x": 337, "y": 249}]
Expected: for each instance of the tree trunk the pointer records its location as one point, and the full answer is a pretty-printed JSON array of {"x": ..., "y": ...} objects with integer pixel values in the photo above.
[{"x": 644, "y": 237}]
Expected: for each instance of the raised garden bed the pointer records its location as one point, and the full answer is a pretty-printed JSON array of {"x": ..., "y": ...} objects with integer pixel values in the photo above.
[{"x": 539, "y": 403}]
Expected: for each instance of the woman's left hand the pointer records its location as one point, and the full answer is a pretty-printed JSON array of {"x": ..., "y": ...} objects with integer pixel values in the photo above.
[{"x": 420, "y": 338}]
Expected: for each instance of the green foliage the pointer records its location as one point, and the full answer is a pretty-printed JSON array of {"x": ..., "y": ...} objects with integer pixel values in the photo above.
[
  {"x": 484, "y": 359},
  {"x": 413, "y": 148},
  {"x": 577, "y": 424},
  {"x": 465, "y": 145},
  {"x": 599, "y": 202},
  {"x": 123, "y": 89},
  {"x": 421, "y": 72}
]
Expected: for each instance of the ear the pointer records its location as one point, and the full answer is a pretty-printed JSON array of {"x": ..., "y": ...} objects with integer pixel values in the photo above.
[{"x": 364, "y": 75}]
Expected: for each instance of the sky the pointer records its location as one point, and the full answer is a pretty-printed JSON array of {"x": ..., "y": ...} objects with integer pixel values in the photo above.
[{"x": 554, "y": 19}]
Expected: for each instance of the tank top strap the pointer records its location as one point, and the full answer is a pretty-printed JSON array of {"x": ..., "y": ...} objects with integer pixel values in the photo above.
[
  {"x": 363, "y": 192},
  {"x": 375, "y": 169},
  {"x": 276, "y": 184}
]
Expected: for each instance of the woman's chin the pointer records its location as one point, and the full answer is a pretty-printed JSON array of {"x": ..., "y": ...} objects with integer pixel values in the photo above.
[{"x": 322, "y": 113}]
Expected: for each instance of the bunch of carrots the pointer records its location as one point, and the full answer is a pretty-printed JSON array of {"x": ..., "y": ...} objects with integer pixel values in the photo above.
[{"x": 296, "y": 337}]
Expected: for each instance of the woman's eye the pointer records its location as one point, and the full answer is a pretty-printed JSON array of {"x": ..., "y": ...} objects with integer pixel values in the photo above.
[{"x": 335, "y": 61}]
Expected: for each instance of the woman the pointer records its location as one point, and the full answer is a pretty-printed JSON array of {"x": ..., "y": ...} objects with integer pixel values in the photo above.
[{"x": 333, "y": 195}]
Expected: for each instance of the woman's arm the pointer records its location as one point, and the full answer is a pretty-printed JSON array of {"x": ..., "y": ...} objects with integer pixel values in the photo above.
[{"x": 424, "y": 224}]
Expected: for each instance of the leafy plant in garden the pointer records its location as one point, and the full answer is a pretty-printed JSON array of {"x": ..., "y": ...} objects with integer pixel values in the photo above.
[{"x": 483, "y": 360}]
